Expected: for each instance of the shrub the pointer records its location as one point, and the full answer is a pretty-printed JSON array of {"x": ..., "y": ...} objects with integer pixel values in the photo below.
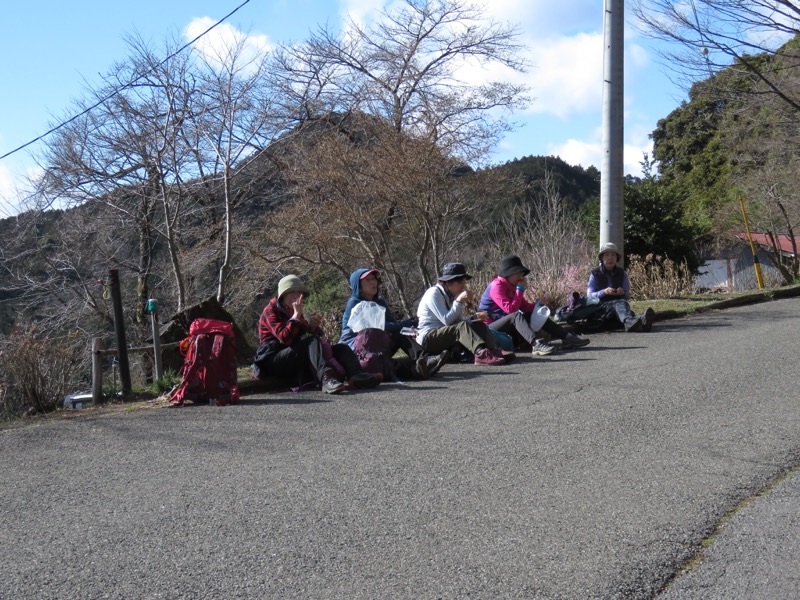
[
  {"x": 658, "y": 277},
  {"x": 35, "y": 373}
]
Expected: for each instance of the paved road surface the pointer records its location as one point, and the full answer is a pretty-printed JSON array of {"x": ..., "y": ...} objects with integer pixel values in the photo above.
[{"x": 593, "y": 474}]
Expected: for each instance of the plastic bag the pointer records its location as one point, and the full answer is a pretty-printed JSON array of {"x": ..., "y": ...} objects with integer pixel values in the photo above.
[
  {"x": 539, "y": 315},
  {"x": 367, "y": 315}
]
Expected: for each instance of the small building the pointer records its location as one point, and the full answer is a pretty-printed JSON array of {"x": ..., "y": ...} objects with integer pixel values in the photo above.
[{"x": 733, "y": 268}]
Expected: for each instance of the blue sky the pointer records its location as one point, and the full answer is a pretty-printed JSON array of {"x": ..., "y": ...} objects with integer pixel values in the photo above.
[{"x": 53, "y": 50}]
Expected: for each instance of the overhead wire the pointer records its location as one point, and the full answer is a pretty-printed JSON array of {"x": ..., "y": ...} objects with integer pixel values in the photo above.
[{"x": 125, "y": 86}]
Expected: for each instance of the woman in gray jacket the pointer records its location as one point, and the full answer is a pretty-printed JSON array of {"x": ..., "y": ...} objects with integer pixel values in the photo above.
[{"x": 442, "y": 325}]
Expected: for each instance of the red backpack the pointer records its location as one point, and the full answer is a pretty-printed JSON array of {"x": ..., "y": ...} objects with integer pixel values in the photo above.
[{"x": 209, "y": 365}]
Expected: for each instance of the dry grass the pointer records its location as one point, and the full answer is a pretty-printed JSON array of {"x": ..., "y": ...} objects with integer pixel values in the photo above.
[{"x": 659, "y": 277}]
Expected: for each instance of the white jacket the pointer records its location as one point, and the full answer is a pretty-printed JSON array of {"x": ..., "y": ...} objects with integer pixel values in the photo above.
[{"x": 437, "y": 309}]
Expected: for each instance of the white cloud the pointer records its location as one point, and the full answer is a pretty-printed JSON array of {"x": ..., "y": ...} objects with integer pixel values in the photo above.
[
  {"x": 540, "y": 18},
  {"x": 360, "y": 11},
  {"x": 579, "y": 152},
  {"x": 217, "y": 43},
  {"x": 567, "y": 75},
  {"x": 589, "y": 151}
]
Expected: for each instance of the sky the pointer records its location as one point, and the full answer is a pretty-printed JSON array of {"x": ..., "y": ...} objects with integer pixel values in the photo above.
[{"x": 53, "y": 51}]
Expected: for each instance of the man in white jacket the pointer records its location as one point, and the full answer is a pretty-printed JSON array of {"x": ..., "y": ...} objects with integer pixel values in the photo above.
[{"x": 442, "y": 325}]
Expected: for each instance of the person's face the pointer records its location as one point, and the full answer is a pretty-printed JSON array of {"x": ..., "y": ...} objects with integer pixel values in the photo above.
[
  {"x": 290, "y": 297},
  {"x": 456, "y": 286},
  {"x": 609, "y": 259},
  {"x": 515, "y": 278},
  {"x": 369, "y": 286}
]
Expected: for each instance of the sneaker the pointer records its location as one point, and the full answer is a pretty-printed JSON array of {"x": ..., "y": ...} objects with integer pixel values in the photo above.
[
  {"x": 574, "y": 341},
  {"x": 633, "y": 324},
  {"x": 647, "y": 319},
  {"x": 364, "y": 380},
  {"x": 485, "y": 356},
  {"x": 541, "y": 349},
  {"x": 427, "y": 366},
  {"x": 331, "y": 385},
  {"x": 506, "y": 355}
]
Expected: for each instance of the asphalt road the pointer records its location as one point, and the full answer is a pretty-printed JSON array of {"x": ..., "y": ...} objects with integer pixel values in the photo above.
[{"x": 591, "y": 474}]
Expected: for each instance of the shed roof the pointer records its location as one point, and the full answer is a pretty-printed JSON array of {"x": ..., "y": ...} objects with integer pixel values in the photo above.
[{"x": 763, "y": 239}]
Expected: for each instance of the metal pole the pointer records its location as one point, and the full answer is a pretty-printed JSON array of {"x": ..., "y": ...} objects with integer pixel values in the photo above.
[
  {"x": 152, "y": 306},
  {"x": 611, "y": 172},
  {"x": 119, "y": 328},
  {"x": 756, "y": 263}
]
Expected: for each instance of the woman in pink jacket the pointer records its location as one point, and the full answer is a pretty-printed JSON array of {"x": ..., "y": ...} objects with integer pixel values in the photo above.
[{"x": 510, "y": 312}]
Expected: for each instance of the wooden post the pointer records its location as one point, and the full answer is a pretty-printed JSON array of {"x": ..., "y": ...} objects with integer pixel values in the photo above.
[
  {"x": 119, "y": 327},
  {"x": 97, "y": 370}
]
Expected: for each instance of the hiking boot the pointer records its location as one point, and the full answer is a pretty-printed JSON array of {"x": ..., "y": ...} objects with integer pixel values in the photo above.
[
  {"x": 364, "y": 380},
  {"x": 331, "y": 385},
  {"x": 647, "y": 319},
  {"x": 485, "y": 356},
  {"x": 541, "y": 349},
  {"x": 427, "y": 366},
  {"x": 506, "y": 355},
  {"x": 574, "y": 341},
  {"x": 633, "y": 324}
]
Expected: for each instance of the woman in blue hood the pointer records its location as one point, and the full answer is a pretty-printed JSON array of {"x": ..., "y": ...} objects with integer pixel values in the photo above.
[{"x": 364, "y": 286}]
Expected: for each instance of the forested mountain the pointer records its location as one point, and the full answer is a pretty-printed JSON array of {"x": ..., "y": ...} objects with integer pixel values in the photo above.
[
  {"x": 575, "y": 184},
  {"x": 737, "y": 135}
]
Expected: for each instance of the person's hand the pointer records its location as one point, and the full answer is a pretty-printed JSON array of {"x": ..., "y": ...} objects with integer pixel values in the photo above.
[
  {"x": 481, "y": 315},
  {"x": 609, "y": 291},
  {"x": 297, "y": 307},
  {"x": 314, "y": 320},
  {"x": 465, "y": 296},
  {"x": 620, "y": 291}
]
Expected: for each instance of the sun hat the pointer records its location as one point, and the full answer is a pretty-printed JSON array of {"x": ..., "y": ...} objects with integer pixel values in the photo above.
[
  {"x": 452, "y": 271},
  {"x": 510, "y": 265},
  {"x": 609, "y": 247},
  {"x": 291, "y": 283},
  {"x": 369, "y": 272}
]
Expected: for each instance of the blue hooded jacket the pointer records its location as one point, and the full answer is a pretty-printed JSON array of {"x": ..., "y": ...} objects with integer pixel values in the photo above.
[{"x": 348, "y": 335}]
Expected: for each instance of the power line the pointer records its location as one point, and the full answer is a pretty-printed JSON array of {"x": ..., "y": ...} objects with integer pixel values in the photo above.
[{"x": 124, "y": 87}]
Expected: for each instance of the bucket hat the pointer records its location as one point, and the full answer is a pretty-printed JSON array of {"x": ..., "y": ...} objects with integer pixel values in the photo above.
[
  {"x": 510, "y": 265},
  {"x": 609, "y": 247},
  {"x": 452, "y": 271},
  {"x": 291, "y": 283}
]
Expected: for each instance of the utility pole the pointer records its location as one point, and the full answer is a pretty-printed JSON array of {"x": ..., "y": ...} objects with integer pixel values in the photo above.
[{"x": 611, "y": 172}]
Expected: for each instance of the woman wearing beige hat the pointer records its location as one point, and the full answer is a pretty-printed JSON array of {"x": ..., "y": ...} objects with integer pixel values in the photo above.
[
  {"x": 609, "y": 284},
  {"x": 292, "y": 346}
]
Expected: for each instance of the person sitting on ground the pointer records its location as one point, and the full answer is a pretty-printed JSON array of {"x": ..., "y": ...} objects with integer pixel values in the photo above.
[
  {"x": 609, "y": 284},
  {"x": 510, "y": 312},
  {"x": 443, "y": 327},
  {"x": 364, "y": 285},
  {"x": 292, "y": 345}
]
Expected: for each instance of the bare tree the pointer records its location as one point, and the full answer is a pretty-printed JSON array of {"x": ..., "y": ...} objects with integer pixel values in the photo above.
[
  {"x": 549, "y": 237},
  {"x": 129, "y": 152},
  {"x": 387, "y": 130},
  {"x": 708, "y": 36},
  {"x": 237, "y": 117},
  {"x": 765, "y": 151}
]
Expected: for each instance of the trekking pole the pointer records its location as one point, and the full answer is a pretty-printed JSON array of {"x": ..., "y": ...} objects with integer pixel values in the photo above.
[{"x": 152, "y": 307}]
